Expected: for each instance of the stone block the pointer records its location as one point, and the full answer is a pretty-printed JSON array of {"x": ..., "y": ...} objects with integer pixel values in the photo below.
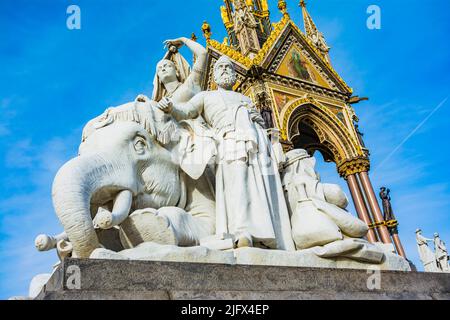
[{"x": 125, "y": 279}]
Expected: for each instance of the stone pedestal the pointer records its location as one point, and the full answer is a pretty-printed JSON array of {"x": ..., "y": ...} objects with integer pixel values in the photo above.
[{"x": 126, "y": 279}]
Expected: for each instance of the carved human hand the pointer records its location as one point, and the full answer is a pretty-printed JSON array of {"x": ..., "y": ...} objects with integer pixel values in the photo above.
[
  {"x": 255, "y": 116},
  {"x": 165, "y": 105},
  {"x": 142, "y": 98},
  {"x": 103, "y": 219},
  {"x": 178, "y": 43}
]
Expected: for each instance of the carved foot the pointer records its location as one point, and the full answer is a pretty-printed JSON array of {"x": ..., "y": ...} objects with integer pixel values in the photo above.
[
  {"x": 146, "y": 226},
  {"x": 244, "y": 240}
]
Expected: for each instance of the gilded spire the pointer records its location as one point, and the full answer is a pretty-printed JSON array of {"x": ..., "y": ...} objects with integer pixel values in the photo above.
[
  {"x": 312, "y": 33},
  {"x": 226, "y": 12},
  {"x": 226, "y": 17},
  {"x": 245, "y": 27},
  {"x": 310, "y": 27},
  {"x": 264, "y": 6}
]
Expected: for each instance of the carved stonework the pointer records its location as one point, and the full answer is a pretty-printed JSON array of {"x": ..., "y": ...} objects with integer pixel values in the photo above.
[
  {"x": 245, "y": 29},
  {"x": 313, "y": 34},
  {"x": 332, "y": 133},
  {"x": 354, "y": 166},
  {"x": 298, "y": 85},
  {"x": 287, "y": 145},
  {"x": 264, "y": 104}
]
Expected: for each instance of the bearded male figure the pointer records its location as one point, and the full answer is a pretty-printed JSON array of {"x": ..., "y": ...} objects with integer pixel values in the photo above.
[{"x": 250, "y": 203}]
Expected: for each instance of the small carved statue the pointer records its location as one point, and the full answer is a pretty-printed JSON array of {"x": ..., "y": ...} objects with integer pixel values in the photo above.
[
  {"x": 441, "y": 253},
  {"x": 265, "y": 110},
  {"x": 387, "y": 207},
  {"x": 426, "y": 254},
  {"x": 360, "y": 136},
  {"x": 249, "y": 197}
]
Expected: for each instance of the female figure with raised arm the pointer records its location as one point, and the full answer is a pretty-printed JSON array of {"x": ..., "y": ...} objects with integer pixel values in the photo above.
[{"x": 174, "y": 78}]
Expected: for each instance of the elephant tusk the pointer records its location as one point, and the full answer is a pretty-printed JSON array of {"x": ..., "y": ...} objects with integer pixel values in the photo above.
[
  {"x": 45, "y": 242},
  {"x": 105, "y": 219}
]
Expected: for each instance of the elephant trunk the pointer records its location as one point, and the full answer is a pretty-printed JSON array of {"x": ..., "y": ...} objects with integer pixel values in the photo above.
[{"x": 75, "y": 184}]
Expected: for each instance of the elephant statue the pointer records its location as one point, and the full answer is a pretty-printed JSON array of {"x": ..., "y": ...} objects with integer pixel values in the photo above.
[
  {"x": 318, "y": 215},
  {"x": 125, "y": 175}
]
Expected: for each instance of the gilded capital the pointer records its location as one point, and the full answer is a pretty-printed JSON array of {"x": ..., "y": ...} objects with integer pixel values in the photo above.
[{"x": 353, "y": 166}]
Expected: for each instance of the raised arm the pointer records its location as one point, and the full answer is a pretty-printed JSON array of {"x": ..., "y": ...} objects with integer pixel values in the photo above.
[
  {"x": 426, "y": 239},
  {"x": 199, "y": 51},
  {"x": 200, "y": 62},
  {"x": 182, "y": 111}
]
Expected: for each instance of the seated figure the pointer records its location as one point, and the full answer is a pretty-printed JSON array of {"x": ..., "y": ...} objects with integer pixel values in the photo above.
[{"x": 317, "y": 210}]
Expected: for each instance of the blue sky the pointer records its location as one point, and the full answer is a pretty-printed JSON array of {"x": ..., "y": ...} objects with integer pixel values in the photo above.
[{"x": 53, "y": 80}]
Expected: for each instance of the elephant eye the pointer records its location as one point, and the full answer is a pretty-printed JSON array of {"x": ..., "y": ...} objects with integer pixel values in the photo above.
[{"x": 140, "y": 145}]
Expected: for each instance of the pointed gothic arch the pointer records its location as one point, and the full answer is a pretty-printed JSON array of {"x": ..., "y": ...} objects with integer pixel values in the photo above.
[{"x": 321, "y": 130}]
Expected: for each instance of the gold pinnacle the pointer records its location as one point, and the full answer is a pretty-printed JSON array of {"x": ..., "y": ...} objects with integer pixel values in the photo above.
[{"x": 282, "y": 6}]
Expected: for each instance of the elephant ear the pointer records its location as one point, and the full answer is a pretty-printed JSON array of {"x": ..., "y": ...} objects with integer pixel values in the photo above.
[{"x": 167, "y": 132}]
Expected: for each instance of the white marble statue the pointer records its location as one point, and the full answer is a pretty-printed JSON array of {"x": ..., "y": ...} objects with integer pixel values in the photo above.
[
  {"x": 318, "y": 214},
  {"x": 441, "y": 254},
  {"x": 427, "y": 256},
  {"x": 123, "y": 167},
  {"x": 192, "y": 176},
  {"x": 249, "y": 198},
  {"x": 174, "y": 78}
]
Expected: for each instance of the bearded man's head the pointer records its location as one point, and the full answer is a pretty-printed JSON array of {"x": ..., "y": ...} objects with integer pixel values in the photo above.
[{"x": 224, "y": 73}]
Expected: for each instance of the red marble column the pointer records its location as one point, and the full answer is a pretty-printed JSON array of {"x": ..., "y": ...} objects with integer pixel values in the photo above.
[
  {"x": 360, "y": 207},
  {"x": 374, "y": 207},
  {"x": 398, "y": 245}
]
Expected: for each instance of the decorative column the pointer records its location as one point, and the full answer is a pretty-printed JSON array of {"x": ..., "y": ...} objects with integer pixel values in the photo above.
[
  {"x": 398, "y": 244},
  {"x": 360, "y": 207},
  {"x": 391, "y": 221},
  {"x": 374, "y": 207}
]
